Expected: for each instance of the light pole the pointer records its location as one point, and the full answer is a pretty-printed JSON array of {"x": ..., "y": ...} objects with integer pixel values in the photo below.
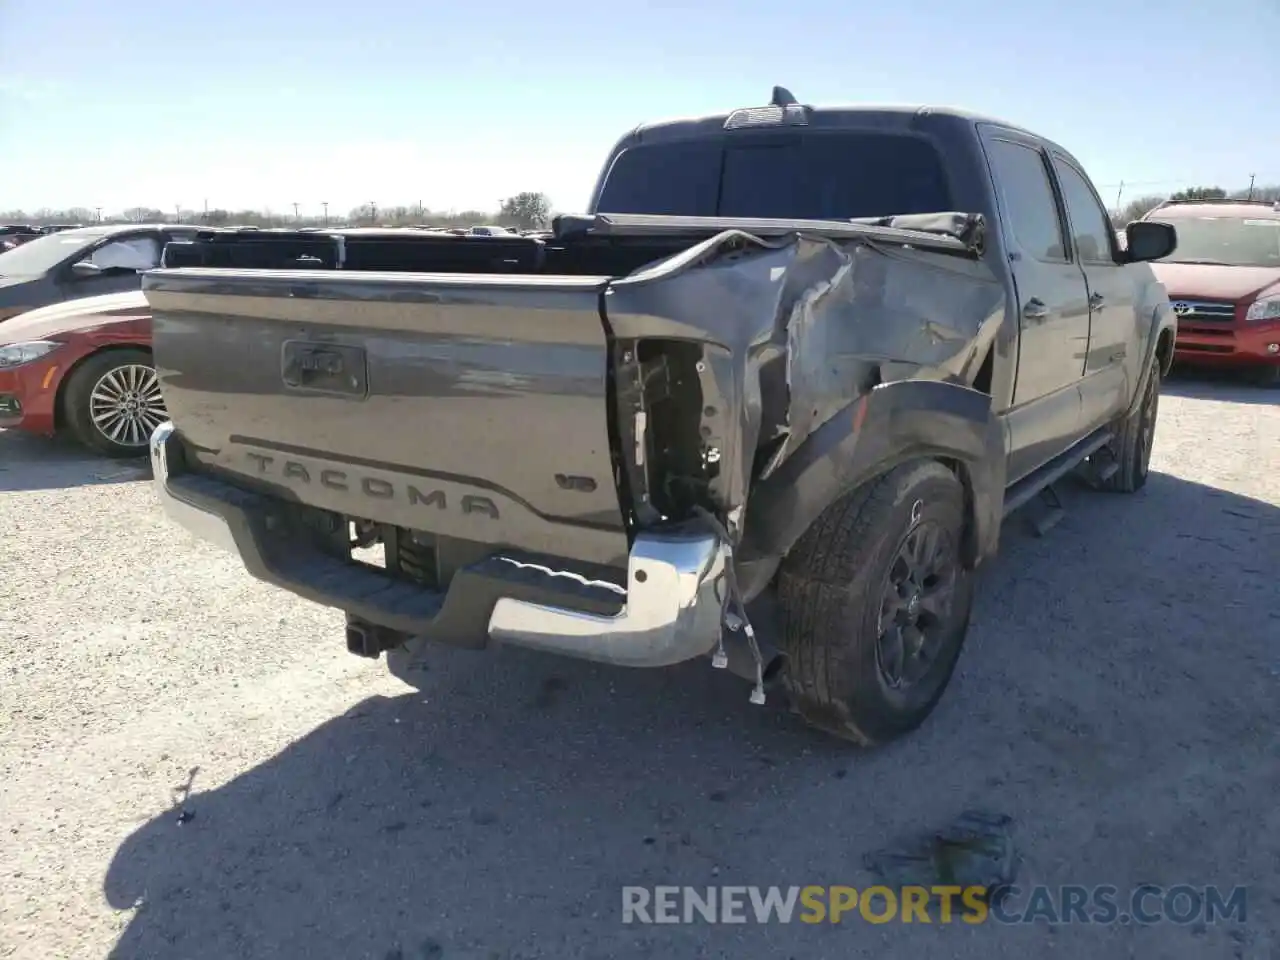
[
  {"x": 373, "y": 212},
  {"x": 295, "y": 210},
  {"x": 325, "y": 204}
]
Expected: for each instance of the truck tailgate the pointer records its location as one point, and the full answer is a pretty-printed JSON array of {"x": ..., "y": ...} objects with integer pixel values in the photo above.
[{"x": 465, "y": 406}]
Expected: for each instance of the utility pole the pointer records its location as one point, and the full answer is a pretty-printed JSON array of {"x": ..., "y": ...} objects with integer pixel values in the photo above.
[
  {"x": 206, "y": 210},
  {"x": 1252, "y": 177},
  {"x": 295, "y": 210},
  {"x": 1118, "y": 193},
  {"x": 177, "y": 213},
  {"x": 325, "y": 204},
  {"x": 373, "y": 208},
  {"x": 98, "y": 211}
]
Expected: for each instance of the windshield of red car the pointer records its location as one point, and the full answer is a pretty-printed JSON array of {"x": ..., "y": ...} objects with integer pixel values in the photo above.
[
  {"x": 37, "y": 257},
  {"x": 1232, "y": 241}
]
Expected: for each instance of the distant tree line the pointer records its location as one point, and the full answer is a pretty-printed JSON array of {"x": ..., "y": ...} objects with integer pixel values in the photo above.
[{"x": 524, "y": 211}]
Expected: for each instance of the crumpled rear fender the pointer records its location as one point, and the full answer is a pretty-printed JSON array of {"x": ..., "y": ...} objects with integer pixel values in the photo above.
[
  {"x": 774, "y": 343},
  {"x": 887, "y": 426}
]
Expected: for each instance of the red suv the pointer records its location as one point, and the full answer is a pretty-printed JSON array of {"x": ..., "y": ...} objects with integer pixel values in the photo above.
[{"x": 1224, "y": 282}]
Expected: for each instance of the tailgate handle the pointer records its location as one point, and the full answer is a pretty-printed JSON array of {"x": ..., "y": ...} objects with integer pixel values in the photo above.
[
  {"x": 312, "y": 365},
  {"x": 324, "y": 368}
]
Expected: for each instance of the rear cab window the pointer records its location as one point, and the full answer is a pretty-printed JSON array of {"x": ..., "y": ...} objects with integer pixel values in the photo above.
[{"x": 813, "y": 176}]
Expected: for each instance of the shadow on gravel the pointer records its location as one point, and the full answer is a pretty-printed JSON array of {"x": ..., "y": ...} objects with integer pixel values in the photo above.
[
  {"x": 38, "y": 463},
  {"x": 1208, "y": 384},
  {"x": 1117, "y": 699}
]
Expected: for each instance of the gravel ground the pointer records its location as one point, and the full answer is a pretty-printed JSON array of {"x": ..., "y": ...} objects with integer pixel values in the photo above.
[{"x": 1118, "y": 698}]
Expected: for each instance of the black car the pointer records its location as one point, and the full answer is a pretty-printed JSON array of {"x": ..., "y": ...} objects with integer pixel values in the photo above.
[{"x": 81, "y": 262}]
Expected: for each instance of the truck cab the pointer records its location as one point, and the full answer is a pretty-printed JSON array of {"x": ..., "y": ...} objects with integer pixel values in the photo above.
[{"x": 1070, "y": 286}]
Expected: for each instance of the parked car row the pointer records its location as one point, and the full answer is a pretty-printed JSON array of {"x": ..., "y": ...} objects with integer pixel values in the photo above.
[
  {"x": 75, "y": 332},
  {"x": 75, "y": 342},
  {"x": 15, "y": 234},
  {"x": 75, "y": 335}
]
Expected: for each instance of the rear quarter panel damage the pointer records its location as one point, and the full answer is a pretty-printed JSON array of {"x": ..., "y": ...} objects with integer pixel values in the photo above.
[{"x": 794, "y": 333}]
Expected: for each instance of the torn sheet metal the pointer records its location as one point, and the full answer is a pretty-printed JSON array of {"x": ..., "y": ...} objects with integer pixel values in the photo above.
[{"x": 795, "y": 330}]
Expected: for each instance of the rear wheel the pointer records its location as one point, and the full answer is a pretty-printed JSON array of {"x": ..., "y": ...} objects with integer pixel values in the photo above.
[
  {"x": 112, "y": 402},
  {"x": 875, "y": 602}
]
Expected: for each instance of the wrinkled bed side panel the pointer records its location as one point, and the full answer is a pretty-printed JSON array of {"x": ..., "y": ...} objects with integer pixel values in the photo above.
[{"x": 794, "y": 331}]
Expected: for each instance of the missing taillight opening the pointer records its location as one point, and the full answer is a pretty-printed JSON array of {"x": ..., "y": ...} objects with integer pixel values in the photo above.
[{"x": 678, "y": 456}]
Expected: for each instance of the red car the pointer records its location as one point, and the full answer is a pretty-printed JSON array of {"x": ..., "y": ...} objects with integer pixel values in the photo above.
[
  {"x": 1224, "y": 283},
  {"x": 83, "y": 366}
]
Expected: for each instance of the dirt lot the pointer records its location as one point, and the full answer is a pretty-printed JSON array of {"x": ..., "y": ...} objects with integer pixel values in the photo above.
[{"x": 1118, "y": 698}]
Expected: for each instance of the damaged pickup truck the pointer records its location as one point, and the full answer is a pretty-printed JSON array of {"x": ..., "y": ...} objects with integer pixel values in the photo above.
[{"x": 766, "y": 402}]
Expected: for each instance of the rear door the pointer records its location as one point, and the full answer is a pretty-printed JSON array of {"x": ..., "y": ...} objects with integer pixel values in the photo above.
[
  {"x": 1052, "y": 301},
  {"x": 1112, "y": 296}
]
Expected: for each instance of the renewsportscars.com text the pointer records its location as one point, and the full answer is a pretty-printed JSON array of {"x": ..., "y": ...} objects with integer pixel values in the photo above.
[{"x": 1146, "y": 904}]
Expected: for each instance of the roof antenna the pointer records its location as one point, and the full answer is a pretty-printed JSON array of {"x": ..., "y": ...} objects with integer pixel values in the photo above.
[{"x": 782, "y": 97}]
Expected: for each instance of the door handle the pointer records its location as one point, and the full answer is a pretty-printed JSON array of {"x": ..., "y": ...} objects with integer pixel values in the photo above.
[
  {"x": 1096, "y": 300},
  {"x": 1035, "y": 309}
]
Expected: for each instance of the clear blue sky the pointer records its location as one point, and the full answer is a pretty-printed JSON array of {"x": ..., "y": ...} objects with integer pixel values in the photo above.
[{"x": 456, "y": 103}]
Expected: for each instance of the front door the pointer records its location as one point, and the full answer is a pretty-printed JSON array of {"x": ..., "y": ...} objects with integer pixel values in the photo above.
[
  {"x": 119, "y": 262},
  {"x": 1052, "y": 303}
]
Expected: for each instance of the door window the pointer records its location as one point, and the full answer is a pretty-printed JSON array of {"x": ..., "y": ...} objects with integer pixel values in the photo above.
[
  {"x": 131, "y": 253},
  {"x": 1028, "y": 200},
  {"x": 1090, "y": 225}
]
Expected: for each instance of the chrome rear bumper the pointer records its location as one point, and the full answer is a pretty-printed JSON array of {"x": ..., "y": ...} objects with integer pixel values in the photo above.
[
  {"x": 670, "y": 610},
  {"x": 205, "y": 524}
]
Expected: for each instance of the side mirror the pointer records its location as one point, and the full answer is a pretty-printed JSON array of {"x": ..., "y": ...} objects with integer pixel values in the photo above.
[
  {"x": 1149, "y": 240},
  {"x": 84, "y": 269}
]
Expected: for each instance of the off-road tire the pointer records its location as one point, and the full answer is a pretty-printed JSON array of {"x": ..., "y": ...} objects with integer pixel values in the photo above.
[
  {"x": 1135, "y": 435},
  {"x": 76, "y": 396},
  {"x": 830, "y": 590}
]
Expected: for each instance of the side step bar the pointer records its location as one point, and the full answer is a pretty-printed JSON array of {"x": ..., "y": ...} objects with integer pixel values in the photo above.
[{"x": 1022, "y": 492}]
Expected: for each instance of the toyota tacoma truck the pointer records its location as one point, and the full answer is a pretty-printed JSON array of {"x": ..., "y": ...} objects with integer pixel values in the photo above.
[{"x": 766, "y": 401}]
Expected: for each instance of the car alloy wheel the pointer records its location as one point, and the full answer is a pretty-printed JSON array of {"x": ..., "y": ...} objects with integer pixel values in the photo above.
[{"x": 126, "y": 406}]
